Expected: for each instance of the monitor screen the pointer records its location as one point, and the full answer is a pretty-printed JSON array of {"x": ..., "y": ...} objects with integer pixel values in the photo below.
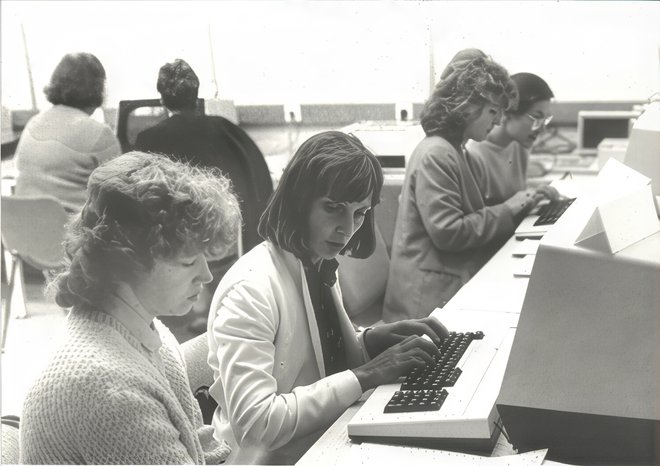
[{"x": 594, "y": 126}]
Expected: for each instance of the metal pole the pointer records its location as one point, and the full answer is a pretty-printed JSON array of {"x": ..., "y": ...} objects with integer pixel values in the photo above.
[
  {"x": 215, "y": 79},
  {"x": 29, "y": 69}
]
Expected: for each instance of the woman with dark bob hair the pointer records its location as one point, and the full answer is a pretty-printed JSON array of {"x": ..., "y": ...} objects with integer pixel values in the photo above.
[
  {"x": 500, "y": 161},
  {"x": 286, "y": 358},
  {"x": 116, "y": 391},
  {"x": 62, "y": 145},
  {"x": 444, "y": 230}
]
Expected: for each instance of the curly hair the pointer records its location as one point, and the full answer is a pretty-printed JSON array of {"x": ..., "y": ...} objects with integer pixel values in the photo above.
[
  {"x": 77, "y": 81},
  {"x": 460, "y": 96},
  {"x": 143, "y": 207},
  {"x": 178, "y": 85},
  {"x": 332, "y": 164}
]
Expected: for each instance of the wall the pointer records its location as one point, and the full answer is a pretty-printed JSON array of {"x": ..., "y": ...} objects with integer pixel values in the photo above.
[{"x": 292, "y": 53}]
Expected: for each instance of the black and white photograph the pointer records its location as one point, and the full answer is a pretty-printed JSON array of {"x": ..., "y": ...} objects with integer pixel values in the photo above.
[{"x": 330, "y": 232}]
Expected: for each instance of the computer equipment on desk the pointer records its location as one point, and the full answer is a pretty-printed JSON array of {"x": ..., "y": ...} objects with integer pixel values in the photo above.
[
  {"x": 583, "y": 376},
  {"x": 643, "y": 150},
  {"x": 536, "y": 225},
  {"x": 454, "y": 410},
  {"x": 593, "y": 126},
  {"x": 391, "y": 142},
  {"x": 550, "y": 212}
]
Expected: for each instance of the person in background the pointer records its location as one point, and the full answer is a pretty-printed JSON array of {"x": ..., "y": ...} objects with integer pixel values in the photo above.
[
  {"x": 117, "y": 391},
  {"x": 286, "y": 359},
  {"x": 209, "y": 141},
  {"x": 500, "y": 161},
  {"x": 444, "y": 230},
  {"x": 62, "y": 145}
]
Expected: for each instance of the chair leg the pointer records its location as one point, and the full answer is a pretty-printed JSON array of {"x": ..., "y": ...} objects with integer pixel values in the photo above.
[
  {"x": 18, "y": 303},
  {"x": 6, "y": 304}
]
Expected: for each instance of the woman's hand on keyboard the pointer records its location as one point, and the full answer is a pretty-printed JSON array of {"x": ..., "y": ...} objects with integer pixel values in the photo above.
[
  {"x": 379, "y": 338},
  {"x": 522, "y": 201},
  {"x": 396, "y": 361},
  {"x": 548, "y": 192}
]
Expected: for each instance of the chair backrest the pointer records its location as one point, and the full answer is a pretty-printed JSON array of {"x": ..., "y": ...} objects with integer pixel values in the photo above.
[
  {"x": 386, "y": 212},
  {"x": 10, "y": 449},
  {"x": 195, "y": 354},
  {"x": 130, "y": 123},
  {"x": 363, "y": 281},
  {"x": 33, "y": 228},
  {"x": 251, "y": 176}
]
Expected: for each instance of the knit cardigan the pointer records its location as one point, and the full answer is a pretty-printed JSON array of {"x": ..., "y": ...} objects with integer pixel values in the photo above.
[{"x": 107, "y": 398}]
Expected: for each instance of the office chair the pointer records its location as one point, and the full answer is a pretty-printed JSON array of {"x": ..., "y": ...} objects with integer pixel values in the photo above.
[
  {"x": 200, "y": 375},
  {"x": 10, "y": 450},
  {"x": 130, "y": 125},
  {"x": 32, "y": 232},
  {"x": 254, "y": 174}
]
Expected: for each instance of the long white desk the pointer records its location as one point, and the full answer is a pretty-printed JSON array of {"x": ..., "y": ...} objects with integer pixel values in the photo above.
[{"x": 493, "y": 289}]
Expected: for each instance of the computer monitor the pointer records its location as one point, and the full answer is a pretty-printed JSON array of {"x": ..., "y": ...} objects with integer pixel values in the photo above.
[
  {"x": 594, "y": 126},
  {"x": 583, "y": 375}
]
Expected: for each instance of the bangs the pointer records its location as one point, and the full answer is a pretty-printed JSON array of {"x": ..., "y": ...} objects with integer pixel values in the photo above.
[{"x": 333, "y": 182}]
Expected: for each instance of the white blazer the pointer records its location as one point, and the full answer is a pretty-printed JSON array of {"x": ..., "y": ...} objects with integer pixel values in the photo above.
[{"x": 265, "y": 351}]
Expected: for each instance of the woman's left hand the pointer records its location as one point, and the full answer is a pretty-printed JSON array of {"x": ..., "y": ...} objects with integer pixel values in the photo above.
[
  {"x": 378, "y": 339},
  {"x": 548, "y": 192}
]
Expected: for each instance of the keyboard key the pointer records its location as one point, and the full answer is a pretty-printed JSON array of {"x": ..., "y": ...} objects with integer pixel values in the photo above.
[
  {"x": 550, "y": 213},
  {"x": 416, "y": 400}
]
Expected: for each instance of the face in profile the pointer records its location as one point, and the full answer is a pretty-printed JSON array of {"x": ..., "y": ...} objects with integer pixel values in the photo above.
[
  {"x": 479, "y": 127},
  {"x": 332, "y": 224},
  {"x": 526, "y": 128},
  {"x": 172, "y": 286}
]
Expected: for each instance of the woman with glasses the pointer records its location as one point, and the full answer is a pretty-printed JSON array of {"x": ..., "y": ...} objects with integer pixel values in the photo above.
[
  {"x": 500, "y": 161},
  {"x": 445, "y": 231}
]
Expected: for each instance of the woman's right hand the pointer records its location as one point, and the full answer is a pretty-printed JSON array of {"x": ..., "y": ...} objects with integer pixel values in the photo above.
[
  {"x": 396, "y": 361},
  {"x": 522, "y": 201}
]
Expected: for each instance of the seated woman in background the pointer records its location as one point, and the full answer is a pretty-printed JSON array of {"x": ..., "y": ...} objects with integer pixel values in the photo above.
[
  {"x": 444, "y": 230},
  {"x": 499, "y": 162},
  {"x": 117, "y": 392},
  {"x": 286, "y": 358},
  {"x": 62, "y": 145}
]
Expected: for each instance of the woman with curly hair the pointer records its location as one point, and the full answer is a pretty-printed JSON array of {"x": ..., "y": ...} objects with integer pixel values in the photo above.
[
  {"x": 116, "y": 391},
  {"x": 286, "y": 358},
  {"x": 444, "y": 231},
  {"x": 62, "y": 145}
]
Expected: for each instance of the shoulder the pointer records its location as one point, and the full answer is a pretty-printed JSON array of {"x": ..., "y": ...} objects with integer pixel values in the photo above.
[
  {"x": 261, "y": 266},
  {"x": 266, "y": 274},
  {"x": 435, "y": 152}
]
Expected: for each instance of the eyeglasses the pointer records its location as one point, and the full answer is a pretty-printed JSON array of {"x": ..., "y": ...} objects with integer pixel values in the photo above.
[{"x": 539, "y": 122}]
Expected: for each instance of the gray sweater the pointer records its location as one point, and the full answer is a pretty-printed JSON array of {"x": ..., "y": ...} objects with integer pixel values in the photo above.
[{"x": 58, "y": 150}]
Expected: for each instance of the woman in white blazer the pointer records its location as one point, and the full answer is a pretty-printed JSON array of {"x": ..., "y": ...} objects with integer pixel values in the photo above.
[{"x": 286, "y": 358}]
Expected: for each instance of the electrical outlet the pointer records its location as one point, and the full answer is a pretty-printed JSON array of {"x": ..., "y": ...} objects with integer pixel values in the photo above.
[
  {"x": 404, "y": 111},
  {"x": 292, "y": 113}
]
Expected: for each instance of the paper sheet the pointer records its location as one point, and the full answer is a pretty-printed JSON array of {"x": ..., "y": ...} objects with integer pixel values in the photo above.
[
  {"x": 526, "y": 247},
  {"x": 369, "y": 453},
  {"x": 523, "y": 266}
]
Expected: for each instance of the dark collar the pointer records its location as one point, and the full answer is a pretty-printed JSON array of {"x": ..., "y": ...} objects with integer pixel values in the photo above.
[{"x": 326, "y": 271}]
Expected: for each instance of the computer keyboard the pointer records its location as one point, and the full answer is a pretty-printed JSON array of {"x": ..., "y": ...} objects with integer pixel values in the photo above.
[
  {"x": 550, "y": 213},
  {"x": 422, "y": 390},
  {"x": 459, "y": 411}
]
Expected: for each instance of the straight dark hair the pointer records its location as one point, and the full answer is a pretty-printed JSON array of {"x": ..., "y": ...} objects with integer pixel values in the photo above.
[{"x": 332, "y": 164}]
